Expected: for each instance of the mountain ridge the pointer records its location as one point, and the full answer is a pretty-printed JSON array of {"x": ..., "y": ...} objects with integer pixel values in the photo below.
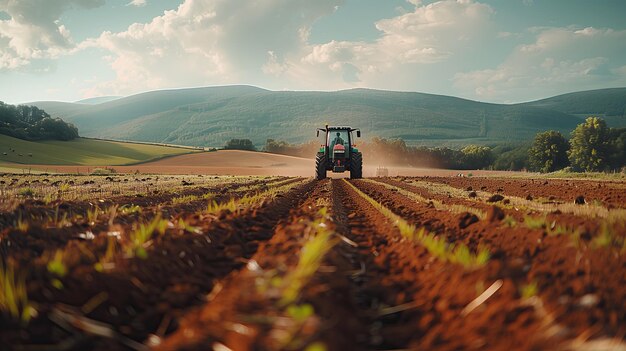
[{"x": 209, "y": 116}]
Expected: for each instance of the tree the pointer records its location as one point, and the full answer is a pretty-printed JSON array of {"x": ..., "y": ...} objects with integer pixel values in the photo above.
[
  {"x": 31, "y": 123},
  {"x": 589, "y": 146},
  {"x": 548, "y": 152},
  {"x": 240, "y": 144},
  {"x": 512, "y": 158},
  {"x": 476, "y": 157},
  {"x": 617, "y": 140}
]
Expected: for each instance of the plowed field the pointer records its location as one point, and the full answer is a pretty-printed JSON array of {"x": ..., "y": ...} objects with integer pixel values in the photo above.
[{"x": 130, "y": 262}]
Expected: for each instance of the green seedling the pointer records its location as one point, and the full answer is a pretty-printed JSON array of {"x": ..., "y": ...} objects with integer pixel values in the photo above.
[
  {"x": 311, "y": 257},
  {"x": 92, "y": 215},
  {"x": 26, "y": 192},
  {"x": 608, "y": 238},
  {"x": 106, "y": 260},
  {"x": 13, "y": 295},
  {"x": 21, "y": 224},
  {"x": 64, "y": 187},
  {"x": 56, "y": 265},
  {"x": 509, "y": 221},
  {"x": 130, "y": 209},
  {"x": 300, "y": 313},
  {"x": 182, "y": 224},
  {"x": 214, "y": 207},
  {"x": 140, "y": 236},
  {"x": 529, "y": 290},
  {"x": 184, "y": 199},
  {"x": 535, "y": 222},
  {"x": 48, "y": 199}
]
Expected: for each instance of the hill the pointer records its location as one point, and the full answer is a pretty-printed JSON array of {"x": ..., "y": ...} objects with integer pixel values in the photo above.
[
  {"x": 81, "y": 151},
  {"x": 213, "y": 115},
  {"x": 98, "y": 100},
  {"x": 607, "y": 103}
]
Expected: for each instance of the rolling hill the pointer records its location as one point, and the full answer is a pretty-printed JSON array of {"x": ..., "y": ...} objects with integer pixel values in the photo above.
[
  {"x": 211, "y": 116},
  {"x": 81, "y": 151}
]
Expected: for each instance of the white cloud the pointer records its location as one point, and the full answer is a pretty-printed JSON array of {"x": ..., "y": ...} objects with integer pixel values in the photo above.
[
  {"x": 33, "y": 30},
  {"x": 206, "y": 42},
  {"x": 266, "y": 43},
  {"x": 137, "y": 3},
  {"x": 430, "y": 34},
  {"x": 553, "y": 63}
]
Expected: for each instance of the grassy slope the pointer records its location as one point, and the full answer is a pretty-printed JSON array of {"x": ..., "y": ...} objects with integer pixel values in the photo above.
[
  {"x": 211, "y": 116},
  {"x": 81, "y": 152}
]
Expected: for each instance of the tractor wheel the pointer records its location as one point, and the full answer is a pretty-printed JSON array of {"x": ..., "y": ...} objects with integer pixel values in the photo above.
[
  {"x": 356, "y": 166},
  {"x": 320, "y": 166}
]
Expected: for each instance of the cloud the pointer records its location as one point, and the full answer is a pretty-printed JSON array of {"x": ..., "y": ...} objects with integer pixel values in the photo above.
[
  {"x": 266, "y": 43},
  {"x": 210, "y": 42},
  {"x": 553, "y": 63},
  {"x": 430, "y": 34},
  {"x": 33, "y": 30},
  {"x": 137, "y": 3}
]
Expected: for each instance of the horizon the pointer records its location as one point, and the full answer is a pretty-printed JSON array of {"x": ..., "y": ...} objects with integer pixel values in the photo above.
[
  {"x": 488, "y": 50},
  {"x": 117, "y": 97}
]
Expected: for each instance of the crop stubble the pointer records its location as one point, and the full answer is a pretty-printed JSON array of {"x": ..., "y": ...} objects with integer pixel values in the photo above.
[{"x": 554, "y": 279}]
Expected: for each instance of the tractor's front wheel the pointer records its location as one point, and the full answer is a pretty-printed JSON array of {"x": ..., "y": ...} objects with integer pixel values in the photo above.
[
  {"x": 320, "y": 166},
  {"x": 356, "y": 166}
]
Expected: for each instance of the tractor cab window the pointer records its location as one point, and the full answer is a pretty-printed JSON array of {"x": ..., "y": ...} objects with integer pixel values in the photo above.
[{"x": 338, "y": 137}]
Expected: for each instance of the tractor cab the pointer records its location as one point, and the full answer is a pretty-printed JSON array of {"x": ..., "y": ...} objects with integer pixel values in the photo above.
[{"x": 339, "y": 154}]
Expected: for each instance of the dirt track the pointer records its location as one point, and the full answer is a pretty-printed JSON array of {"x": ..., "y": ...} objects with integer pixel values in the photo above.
[{"x": 390, "y": 263}]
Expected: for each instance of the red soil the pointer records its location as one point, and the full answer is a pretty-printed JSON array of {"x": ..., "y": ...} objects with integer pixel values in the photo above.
[{"x": 215, "y": 282}]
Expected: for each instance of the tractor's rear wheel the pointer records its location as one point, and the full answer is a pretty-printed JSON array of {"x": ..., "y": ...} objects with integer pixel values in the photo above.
[
  {"x": 356, "y": 166},
  {"x": 320, "y": 166}
]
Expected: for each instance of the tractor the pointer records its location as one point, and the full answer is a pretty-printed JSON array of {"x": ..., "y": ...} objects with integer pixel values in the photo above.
[{"x": 338, "y": 154}]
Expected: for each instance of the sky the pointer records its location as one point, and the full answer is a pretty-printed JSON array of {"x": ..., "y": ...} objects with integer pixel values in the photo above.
[{"x": 501, "y": 51}]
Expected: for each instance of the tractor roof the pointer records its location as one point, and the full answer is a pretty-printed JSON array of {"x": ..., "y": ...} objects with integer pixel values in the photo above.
[{"x": 340, "y": 127}]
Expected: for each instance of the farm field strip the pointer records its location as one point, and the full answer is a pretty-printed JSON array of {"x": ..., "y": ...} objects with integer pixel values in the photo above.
[
  {"x": 132, "y": 222},
  {"x": 592, "y": 210},
  {"x": 548, "y": 262},
  {"x": 261, "y": 304},
  {"x": 60, "y": 213},
  {"x": 203, "y": 242},
  {"x": 48, "y": 189},
  {"x": 291, "y": 263},
  {"x": 415, "y": 288},
  {"x": 604, "y": 231},
  {"x": 438, "y": 247},
  {"x": 602, "y": 192},
  {"x": 454, "y": 208}
]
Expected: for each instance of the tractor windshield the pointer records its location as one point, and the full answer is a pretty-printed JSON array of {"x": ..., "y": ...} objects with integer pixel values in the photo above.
[{"x": 338, "y": 136}]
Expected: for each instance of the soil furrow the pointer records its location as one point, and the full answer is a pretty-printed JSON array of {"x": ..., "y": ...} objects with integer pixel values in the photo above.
[
  {"x": 566, "y": 275},
  {"x": 431, "y": 294},
  {"x": 609, "y": 193},
  {"x": 142, "y": 296}
]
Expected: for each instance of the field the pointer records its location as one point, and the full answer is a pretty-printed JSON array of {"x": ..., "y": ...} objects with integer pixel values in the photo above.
[
  {"x": 89, "y": 152},
  {"x": 201, "y": 262},
  {"x": 235, "y": 162}
]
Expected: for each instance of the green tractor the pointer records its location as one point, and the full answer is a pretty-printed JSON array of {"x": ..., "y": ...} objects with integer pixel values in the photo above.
[{"x": 339, "y": 153}]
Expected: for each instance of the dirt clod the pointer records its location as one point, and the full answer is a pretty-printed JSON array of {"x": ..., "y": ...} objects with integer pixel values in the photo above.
[
  {"x": 472, "y": 194},
  {"x": 466, "y": 219},
  {"x": 495, "y": 198},
  {"x": 495, "y": 214},
  {"x": 580, "y": 200}
]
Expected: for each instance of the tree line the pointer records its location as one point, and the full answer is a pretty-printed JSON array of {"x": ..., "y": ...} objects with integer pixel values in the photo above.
[
  {"x": 592, "y": 147},
  {"x": 33, "y": 123}
]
